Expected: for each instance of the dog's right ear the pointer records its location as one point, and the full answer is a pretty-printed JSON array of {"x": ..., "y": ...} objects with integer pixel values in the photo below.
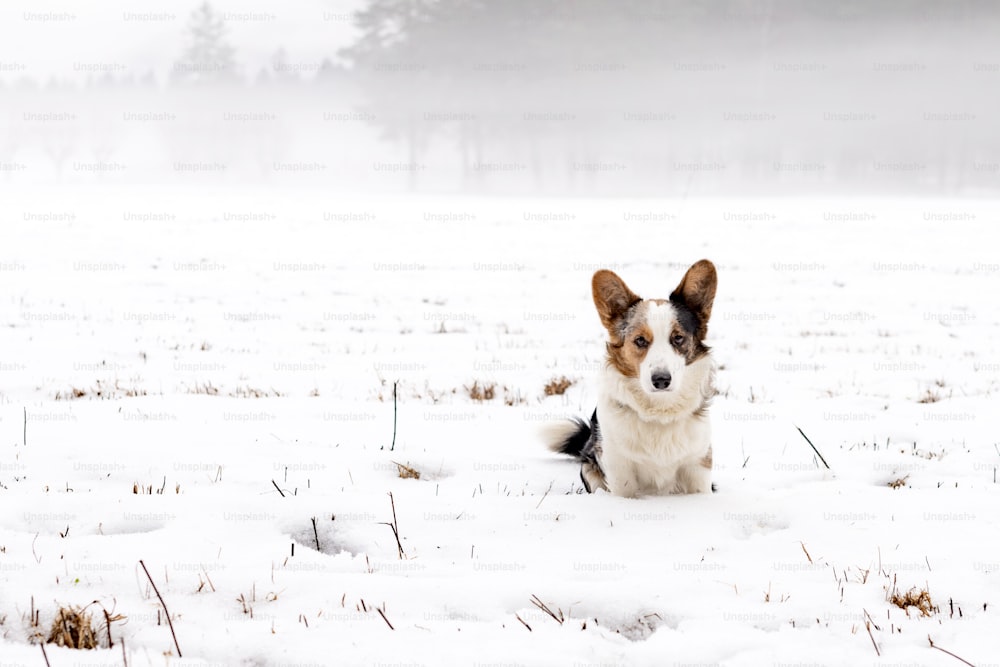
[
  {"x": 697, "y": 291},
  {"x": 612, "y": 297}
]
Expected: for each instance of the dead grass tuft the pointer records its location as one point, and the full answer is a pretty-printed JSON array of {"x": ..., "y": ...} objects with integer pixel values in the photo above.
[
  {"x": 898, "y": 483},
  {"x": 406, "y": 472},
  {"x": 929, "y": 397},
  {"x": 254, "y": 392},
  {"x": 73, "y": 628},
  {"x": 149, "y": 489},
  {"x": 71, "y": 395},
  {"x": 482, "y": 392},
  {"x": 206, "y": 388},
  {"x": 101, "y": 390},
  {"x": 558, "y": 386},
  {"x": 921, "y": 599}
]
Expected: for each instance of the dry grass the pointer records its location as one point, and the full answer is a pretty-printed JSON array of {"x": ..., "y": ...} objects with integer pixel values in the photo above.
[
  {"x": 101, "y": 390},
  {"x": 406, "y": 472},
  {"x": 442, "y": 329},
  {"x": 558, "y": 386},
  {"x": 149, "y": 489},
  {"x": 73, "y": 394},
  {"x": 245, "y": 391},
  {"x": 206, "y": 388},
  {"x": 921, "y": 599},
  {"x": 73, "y": 628},
  {"x": 253, "y": 392},
  {"x": 479, "y": 391},
  {"x": 384, "y": 392},
  {"x": 482, "y": 392},
  {"x": 898, "y": 483},
  {"x": 929, "y": 397}
]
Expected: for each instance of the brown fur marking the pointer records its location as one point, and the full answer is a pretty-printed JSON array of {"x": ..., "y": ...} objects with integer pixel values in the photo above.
[
  {"x": 706, "y": 461},
  {"x": 612, "y": 297},
  {"x": 614, "y": 302},
  {"x": 623, "y": 353}
]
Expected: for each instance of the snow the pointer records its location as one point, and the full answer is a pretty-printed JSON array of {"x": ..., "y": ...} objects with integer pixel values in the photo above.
[{"x": 245, "y": 344}]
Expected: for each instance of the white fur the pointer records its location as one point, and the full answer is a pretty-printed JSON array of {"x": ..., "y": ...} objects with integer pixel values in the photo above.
[
  {"x": 652, "y": 441},
  {"x": 661, "y": 355}
]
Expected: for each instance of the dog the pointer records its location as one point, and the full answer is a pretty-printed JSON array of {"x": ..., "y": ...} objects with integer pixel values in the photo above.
[{"x": 650, "y": 433}]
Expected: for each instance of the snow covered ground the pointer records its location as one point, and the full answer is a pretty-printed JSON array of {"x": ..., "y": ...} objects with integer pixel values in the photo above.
[{"x": 203, "y": 381}]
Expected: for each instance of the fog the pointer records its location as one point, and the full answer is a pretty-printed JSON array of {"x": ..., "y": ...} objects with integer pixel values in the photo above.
[{"x": 519, "y": 97}]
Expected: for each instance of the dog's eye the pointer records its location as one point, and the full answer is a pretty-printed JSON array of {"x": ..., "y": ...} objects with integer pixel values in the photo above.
[
  {"x": 641, "y": 341},
  {"x": 678, "y": 339}
]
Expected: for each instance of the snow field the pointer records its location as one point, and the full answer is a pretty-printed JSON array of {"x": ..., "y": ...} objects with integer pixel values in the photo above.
[{"x": 250, "y": 343}]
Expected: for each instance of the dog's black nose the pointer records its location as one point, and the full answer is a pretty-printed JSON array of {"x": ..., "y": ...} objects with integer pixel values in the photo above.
[{"x": 661, "y": 380}]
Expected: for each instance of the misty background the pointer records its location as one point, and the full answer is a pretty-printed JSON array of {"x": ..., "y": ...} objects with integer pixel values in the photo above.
[{"x": 584, "y": 97}]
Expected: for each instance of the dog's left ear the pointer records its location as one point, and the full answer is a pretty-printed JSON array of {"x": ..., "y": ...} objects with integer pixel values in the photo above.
[
  {"x": 697, "y": 292},
  {"x": 612, "y": 298}
]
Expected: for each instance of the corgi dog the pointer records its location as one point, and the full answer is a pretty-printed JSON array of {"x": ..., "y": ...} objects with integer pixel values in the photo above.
[{"x": 650, "y": 433}]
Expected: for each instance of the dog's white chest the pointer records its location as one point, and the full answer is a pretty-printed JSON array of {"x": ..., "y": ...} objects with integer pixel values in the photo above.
[{"x": 642, "y": 457}]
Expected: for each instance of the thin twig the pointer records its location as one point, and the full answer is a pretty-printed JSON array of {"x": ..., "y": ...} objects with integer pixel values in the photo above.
[
  {"x": 382, "y": 614},
  {"x": 395, "y": 527},
  {"x": 541, "y": 605},
  {"x": 949, "y": 652},
  {"x": 522, "y": 622},
  {"x": 871, "y": 620},
  {"x": 169, "y": 622},
  {"x": 124, "y": 656},
  {"x": 827, "y": 465},
  {"x": 209, "y": 579},
  {"x": 806, "y": 552},
  {"x": 868, "y": 627},
  {"x": 316, "y": 535},
  {"x": 107, "y": 619},
  {"x": 545, "y": 494},
  {"x": 45, "y": 655},
  {"x": 278, "y": 488}
]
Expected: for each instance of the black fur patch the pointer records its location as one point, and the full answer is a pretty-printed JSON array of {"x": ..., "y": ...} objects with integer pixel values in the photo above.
[
  {"x": 577, "y": 441},
  {"x": 584, "y": 444},
  {"x": 592, "y": 449},
  {"x": 690, "y": 324}
]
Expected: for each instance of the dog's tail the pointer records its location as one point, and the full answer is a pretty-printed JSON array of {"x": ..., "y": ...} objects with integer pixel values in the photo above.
[{"x": 569, "y": 436}]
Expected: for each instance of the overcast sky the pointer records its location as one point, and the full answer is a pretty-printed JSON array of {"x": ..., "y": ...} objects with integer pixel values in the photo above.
[{"x": 68, "y": 39}]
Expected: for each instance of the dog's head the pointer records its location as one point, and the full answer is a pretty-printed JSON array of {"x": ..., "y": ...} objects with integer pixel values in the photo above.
[{"x": 654, "y": 341}]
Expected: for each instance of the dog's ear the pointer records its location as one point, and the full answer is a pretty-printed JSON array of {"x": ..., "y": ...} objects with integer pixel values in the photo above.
[
  {"x": 612, "y": 297},
  {"x": 696, "y": 291}
]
